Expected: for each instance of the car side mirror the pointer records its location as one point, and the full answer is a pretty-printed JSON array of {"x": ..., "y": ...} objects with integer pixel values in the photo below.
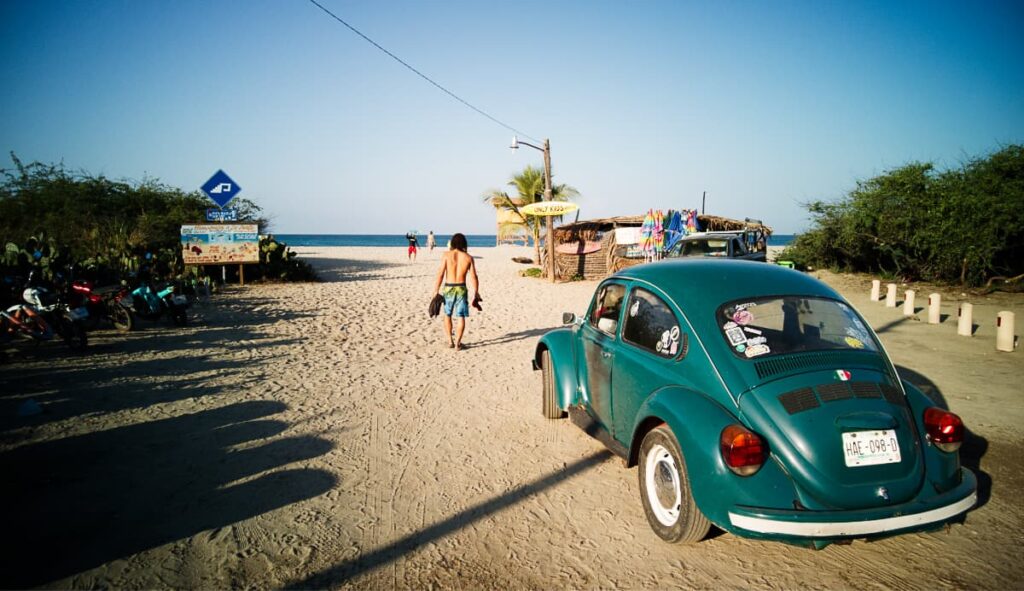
[{"x": 568, "y": 318}]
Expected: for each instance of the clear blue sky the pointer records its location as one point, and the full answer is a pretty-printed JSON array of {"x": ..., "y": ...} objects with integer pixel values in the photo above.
[{"x": 764, "y": 104}]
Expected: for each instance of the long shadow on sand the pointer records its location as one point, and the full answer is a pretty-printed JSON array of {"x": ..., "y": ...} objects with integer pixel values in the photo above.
[
  {"x": 345, "y": 571},
  {"x": 512, "y": 336},
  {"x": 341, "y": 270},
  {"x": 76, "y": 503},
  {"x": 96, "y": 383},
  {"x": 974, "y": 447}
]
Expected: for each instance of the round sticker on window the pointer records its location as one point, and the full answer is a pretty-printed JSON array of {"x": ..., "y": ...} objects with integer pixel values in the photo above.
[
  {"x": 674, "y": 333},
  {"x": 634, "y": 309},
  {"x": 743, "y": 317},
  {"x": 855, "y": 343}
]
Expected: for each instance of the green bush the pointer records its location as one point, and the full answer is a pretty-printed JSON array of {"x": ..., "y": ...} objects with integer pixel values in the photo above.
[
  {"x": 531, "y": 272},
  {"x": 50, "y": 218},
  {"x": 963, "y": 225}
]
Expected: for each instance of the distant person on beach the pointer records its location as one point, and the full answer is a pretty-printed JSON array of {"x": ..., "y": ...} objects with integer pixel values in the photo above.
[
  {"x": 431, "y": 243},
  {"x": 411, "y": 237},
  {"x": 456, "y": 264}
]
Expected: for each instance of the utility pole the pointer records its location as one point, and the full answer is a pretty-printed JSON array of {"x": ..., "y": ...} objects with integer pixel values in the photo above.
[{"x": 547, "y": 197}]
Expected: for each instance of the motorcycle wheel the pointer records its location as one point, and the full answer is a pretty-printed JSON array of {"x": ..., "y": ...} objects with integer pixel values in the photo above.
[
  {"x": 122, "y": 317},
  {"x": 36, "y": 329}
]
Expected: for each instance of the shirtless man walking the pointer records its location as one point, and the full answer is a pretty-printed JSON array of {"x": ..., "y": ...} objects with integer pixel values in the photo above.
[{"x": 456, "y": 264}]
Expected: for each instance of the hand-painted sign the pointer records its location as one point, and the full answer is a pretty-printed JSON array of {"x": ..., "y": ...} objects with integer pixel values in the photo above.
[
  {"x": 222, "y": 215},
  {"x": 221, "y": 189},
  {"x": 220, "y": 244},
  {"x": 545, "y": 208}
]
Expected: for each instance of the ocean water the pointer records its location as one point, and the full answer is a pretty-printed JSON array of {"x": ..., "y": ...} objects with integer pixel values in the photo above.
[{"x": 396, "y": 240}]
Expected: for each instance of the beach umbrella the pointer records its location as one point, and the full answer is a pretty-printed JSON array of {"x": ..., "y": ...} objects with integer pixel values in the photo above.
[
  {"x": 646, "y": 233},
  {"x": 674, "y": 231},
  {"x": 691, "y": 221},
  {"x": 658, "y": 232}
]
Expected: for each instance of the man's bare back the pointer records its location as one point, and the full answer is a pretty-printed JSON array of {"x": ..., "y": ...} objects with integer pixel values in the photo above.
[{"x": 457, "y": 265}]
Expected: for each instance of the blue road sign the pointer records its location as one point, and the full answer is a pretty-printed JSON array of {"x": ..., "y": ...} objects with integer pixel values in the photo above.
[
  {"x": 221, "y": 189},
  {"x": 222, "y": 215}
]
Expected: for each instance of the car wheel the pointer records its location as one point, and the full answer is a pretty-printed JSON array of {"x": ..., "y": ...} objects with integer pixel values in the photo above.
[
  {"x": 550, "y": 396},
  {"x": 665, "y": 490}
]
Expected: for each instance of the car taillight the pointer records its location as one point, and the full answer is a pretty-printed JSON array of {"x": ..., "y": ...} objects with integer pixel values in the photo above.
[
  {"x": 945, "y": 430},
  {"x": 742, "y": 450},
  {"x": 95, "y": 299}
]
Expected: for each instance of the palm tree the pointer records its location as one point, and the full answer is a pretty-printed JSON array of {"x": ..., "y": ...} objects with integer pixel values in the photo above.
[{"x": 529, "y": 186}]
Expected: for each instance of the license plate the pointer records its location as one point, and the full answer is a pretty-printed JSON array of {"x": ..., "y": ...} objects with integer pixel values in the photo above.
[
  {"x": 869, "y": 448},
  {"x": 78, "y": 313},
  {"x": 180, "y": 300}
]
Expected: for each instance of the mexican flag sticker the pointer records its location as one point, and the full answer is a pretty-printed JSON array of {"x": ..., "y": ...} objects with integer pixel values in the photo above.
[{"x": 843, "y": 374}]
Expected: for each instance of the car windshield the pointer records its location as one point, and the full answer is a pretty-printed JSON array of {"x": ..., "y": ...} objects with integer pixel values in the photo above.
[
  {"x": 696, "y": 248},
  {"x": 779, "y": 325}
]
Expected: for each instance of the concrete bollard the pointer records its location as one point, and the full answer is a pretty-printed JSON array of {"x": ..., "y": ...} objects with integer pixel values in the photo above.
[
  {"x": 1004, "y": 331},
  {"x": 934, "y": 303},
  {"x": 876, "y": 290},
  {"x": 908, "y": 302},
  {"x": 890, "y": 295},
  {"x": 964, "y": 322}
]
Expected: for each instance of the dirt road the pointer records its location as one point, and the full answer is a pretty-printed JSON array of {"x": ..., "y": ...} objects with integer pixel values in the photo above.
[{"x": 321, "y": 436}]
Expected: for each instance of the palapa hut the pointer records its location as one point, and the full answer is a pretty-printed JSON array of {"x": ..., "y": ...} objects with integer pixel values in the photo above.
[{"x": 592, "y": 249}]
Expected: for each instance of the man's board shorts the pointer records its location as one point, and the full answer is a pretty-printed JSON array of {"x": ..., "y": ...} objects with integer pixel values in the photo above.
[
  {"x": 412, "y": 249},
  {"x": 456, "y": 300}
]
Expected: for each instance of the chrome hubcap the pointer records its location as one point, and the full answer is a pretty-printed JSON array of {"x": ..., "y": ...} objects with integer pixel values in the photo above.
[{"x": 663, "y": 487}]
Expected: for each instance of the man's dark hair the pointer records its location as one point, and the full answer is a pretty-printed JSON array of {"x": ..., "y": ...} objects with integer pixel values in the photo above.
[{"x": 459, "y": 242}]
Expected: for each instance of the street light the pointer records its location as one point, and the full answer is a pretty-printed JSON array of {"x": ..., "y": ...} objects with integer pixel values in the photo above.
[{"x": 547, "y": 197}]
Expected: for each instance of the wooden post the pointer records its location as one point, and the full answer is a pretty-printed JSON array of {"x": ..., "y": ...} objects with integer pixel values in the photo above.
[
  {"x": 241, "y": 274},
  {"x": 551, "y": 223}
]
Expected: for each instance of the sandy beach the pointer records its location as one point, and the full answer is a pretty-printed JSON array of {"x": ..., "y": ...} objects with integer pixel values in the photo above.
[{"x": 323, "y": 435}]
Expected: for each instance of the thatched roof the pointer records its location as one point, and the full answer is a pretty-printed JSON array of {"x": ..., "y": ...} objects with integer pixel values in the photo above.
[{"x": 589, "y": 229}]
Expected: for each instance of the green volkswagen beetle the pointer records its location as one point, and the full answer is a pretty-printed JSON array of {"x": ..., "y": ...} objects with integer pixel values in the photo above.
[{"x": 754, "y": 398}]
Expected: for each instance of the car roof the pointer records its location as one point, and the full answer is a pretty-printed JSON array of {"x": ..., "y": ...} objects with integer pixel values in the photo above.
[{"x": 705, "y": 283}]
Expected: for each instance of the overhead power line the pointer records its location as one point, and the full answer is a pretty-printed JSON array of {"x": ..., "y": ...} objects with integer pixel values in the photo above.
[{"x": 421, "y": 74}]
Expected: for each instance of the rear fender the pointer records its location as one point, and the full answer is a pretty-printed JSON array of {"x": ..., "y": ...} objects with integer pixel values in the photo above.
[
  {"x": 942, "y": 468},
  {"x": 697, "y": 422},
  {"x": 559, "y": 343}
]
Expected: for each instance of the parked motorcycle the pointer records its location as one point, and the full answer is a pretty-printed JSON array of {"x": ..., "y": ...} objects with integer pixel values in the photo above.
[
  {"x": 105, "y": 303},
  {"x": 152, "y": 304},
  {"x": 54, "y": 308}
]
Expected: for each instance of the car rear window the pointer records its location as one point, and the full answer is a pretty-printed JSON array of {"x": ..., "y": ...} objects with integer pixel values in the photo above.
[{"x": 779, "y": 325}]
